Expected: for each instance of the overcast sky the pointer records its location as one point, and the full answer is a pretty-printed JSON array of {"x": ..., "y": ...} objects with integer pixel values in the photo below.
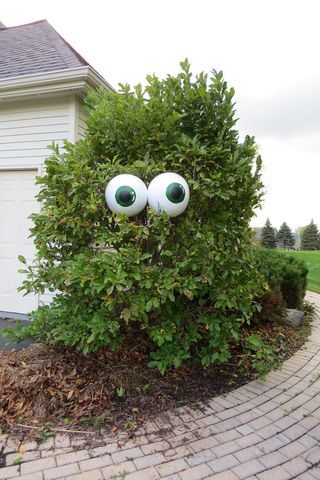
[{"x": 267, "y": 49}]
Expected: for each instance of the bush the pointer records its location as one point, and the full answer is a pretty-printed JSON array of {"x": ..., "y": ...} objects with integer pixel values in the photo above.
[
  {"x": 284, "y": 275},
  {"x": 186, "y": 284},
  {"x": 272, "y": 307},
  {"x": 259, "y": 354}
]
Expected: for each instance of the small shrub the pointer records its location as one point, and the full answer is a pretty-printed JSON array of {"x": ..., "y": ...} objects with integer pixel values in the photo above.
[
  {"x": 259, "y": 354},
  {"x": 272, "y": 307},
  {"x": 309, "y": 309},
  {"x": 283, "y": 274}
]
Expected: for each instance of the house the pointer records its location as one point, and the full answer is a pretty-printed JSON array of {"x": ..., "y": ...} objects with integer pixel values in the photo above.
[{"x": 43, "y": 81}]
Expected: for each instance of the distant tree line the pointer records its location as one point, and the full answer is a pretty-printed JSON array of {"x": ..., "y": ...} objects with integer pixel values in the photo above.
[{"x": 269, "y": 237}]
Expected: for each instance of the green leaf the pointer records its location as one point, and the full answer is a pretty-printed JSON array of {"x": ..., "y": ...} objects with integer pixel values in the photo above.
[{"x": 126, "y": 314}]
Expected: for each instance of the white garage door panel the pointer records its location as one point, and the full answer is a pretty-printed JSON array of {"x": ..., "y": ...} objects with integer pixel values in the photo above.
[{"x": 17, "y": 202}]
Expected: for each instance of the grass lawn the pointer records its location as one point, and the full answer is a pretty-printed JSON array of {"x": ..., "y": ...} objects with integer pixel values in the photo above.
[{"x": 312, "y": 259}]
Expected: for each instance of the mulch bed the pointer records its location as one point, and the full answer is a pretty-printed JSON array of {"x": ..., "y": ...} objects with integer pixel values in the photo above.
[{"x": 46, "y": 387}]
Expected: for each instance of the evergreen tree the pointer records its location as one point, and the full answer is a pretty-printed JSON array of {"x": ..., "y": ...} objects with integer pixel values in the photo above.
[
  {"x": 310, "y": 239},
  {"x": 268, "y": 237},
  {"x": 285, "y": 236}
]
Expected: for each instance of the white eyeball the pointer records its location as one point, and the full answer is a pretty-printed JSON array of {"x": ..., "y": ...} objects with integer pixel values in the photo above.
[
  {"x": 126, "y": 194},
  {"x": 168, "y": 192}
]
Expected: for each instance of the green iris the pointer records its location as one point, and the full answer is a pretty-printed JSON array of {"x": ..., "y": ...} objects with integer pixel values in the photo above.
[
  {"x": 125, "y": 196},
  {"x": 175, "y": 192}
]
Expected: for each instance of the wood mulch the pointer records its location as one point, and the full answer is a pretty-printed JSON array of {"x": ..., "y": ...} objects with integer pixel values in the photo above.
[{"x": 49, "y": 388}]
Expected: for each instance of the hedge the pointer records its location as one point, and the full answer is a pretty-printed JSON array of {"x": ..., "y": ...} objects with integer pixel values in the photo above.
[{"x": 284, "y": 274}]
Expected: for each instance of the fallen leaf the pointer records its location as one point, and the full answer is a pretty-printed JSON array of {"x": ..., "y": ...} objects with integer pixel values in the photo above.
[{"x": 70, "y": 393}]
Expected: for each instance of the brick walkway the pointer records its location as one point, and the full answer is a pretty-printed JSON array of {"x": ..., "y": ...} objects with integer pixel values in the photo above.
[{"x": 263, "y": 430}]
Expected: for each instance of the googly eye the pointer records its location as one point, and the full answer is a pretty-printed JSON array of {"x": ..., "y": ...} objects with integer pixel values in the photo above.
[
  {"x": 168, "y": 192},
  {"x": 126, "y": 194}
]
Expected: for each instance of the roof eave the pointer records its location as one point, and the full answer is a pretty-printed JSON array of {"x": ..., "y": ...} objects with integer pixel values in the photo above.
[{"x": 77, "y": 80}]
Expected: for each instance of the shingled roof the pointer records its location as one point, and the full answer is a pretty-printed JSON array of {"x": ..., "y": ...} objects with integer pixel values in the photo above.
[{"x": 35, "y": 48}]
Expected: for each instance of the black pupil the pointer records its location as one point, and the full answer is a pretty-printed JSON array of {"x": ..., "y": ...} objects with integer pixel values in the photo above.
[
  {"x": 176, "y": 192},
  {"x": 125, "y": 196}
]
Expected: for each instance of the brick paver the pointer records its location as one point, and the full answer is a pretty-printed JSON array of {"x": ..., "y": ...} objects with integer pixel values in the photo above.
[{"x": 263, "y": 430}]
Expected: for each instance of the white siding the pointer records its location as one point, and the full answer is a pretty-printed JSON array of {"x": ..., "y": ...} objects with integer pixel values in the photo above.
[
  {"x": 81, "y": 116},
  {"x": 82, "y": 126},
  {"x": 28, "y": 127}
]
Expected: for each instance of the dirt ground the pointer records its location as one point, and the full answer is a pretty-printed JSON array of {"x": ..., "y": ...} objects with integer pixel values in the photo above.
[{"x": 45, "y": 387}]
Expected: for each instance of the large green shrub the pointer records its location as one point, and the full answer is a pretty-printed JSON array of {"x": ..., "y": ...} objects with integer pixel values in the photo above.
[
  {"x": 186, "y": 284},
  {"x": 284, "y": 274}
]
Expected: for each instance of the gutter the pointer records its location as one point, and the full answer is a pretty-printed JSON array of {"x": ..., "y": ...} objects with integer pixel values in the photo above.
[{"x": 77, "y": 80}]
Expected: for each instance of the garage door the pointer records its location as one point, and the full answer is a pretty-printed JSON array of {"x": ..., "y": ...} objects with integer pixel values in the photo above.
[{"x": 17, "y": 202}]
